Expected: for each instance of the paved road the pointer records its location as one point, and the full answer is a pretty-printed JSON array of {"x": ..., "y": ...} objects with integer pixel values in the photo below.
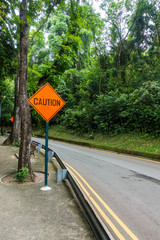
[{"x": 127, "y": 189}]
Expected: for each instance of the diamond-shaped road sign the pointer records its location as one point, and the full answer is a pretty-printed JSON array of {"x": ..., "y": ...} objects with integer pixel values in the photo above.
[
  {"x": 46, "y": 102},
  {"x": 11, "y": 119}
]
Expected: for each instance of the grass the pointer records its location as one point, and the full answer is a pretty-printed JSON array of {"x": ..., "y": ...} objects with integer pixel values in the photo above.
[{"x": 130, "y": 141}]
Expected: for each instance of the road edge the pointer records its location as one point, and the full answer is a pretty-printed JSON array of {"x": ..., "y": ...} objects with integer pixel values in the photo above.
[{"x": 154, "y": 156}]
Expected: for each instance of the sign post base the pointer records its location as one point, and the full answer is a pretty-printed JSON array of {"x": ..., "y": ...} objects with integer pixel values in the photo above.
[{"x": 46, "y": 188}]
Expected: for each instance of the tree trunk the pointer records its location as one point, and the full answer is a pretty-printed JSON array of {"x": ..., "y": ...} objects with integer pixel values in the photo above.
[
  {"x": 119, "y": 57},
  {"x": 14, "y": 137},
  {"x": 24, "y": 152},
  {"x": 121, "y": 66},
  {"x": 17, "y": 119},
  {"x": 99, "y": 63}
]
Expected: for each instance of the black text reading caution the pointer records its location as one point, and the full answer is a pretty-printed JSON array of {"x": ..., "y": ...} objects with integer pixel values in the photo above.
[{"x": 47, "y": 102}]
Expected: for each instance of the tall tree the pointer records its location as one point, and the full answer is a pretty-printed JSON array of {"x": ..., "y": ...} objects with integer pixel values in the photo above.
[
  {"x": 7, "y": 53},
  {"x": 24, "y": 153},
  {"x": 119, "y": 25},
  {"x": 14, "y": 136},
  {"x": 29, "y": 11}
]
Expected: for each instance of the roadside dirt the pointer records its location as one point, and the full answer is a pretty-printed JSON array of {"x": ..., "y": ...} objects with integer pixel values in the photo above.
[
  {"x": 11, "y": 179},
  {"x": 8, "y": 154}
]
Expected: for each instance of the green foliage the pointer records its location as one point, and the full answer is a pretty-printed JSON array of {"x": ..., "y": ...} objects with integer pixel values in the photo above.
[
  {"x": 22, "y": 174},
  {"x": 7, "y": 53},
  {"x": 107, "y": 71},
  {"x": 126, "y": 112},
  {"x": 7, "y": 99},
  {"x": 78, "y": 119},
  {"x": 144, "y": 108},
  {"x": 17, "y": 144}
]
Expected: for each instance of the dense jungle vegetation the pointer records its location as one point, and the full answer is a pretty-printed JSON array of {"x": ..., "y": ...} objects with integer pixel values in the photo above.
[{"x": 106, "y": 65}]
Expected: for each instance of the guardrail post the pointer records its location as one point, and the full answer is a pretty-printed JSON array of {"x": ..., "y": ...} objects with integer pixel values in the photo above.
[
  {"x": 61, "y": 175},
  {"x": 39, "y": 147},
  {"x": 50, "y": 154}
]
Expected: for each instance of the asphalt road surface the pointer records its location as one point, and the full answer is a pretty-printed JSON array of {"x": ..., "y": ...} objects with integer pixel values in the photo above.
[{"x": 124, "y": 190}]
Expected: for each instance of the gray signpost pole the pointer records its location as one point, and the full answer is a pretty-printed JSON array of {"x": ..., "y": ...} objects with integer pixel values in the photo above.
[{"x": 46, "y": 188}]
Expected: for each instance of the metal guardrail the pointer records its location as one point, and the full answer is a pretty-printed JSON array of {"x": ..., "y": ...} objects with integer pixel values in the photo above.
[{"x": 95, "y": 224}]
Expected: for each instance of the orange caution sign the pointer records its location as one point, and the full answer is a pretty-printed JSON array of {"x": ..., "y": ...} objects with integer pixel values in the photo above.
[
  {"x": 11, "y": 119},
  {"x": 46, "y": 102}
]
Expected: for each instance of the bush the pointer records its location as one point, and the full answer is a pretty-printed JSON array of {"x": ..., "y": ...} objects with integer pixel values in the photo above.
[
  {"x": 22, "y": 174},
  {"x": 78, "y": 119}
]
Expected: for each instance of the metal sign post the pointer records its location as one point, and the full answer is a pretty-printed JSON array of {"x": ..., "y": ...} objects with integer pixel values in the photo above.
[
  {"x": 46, "y": 188},
  {"x": 47, "y": 103},
  {"x": 46, "y": 154}
]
